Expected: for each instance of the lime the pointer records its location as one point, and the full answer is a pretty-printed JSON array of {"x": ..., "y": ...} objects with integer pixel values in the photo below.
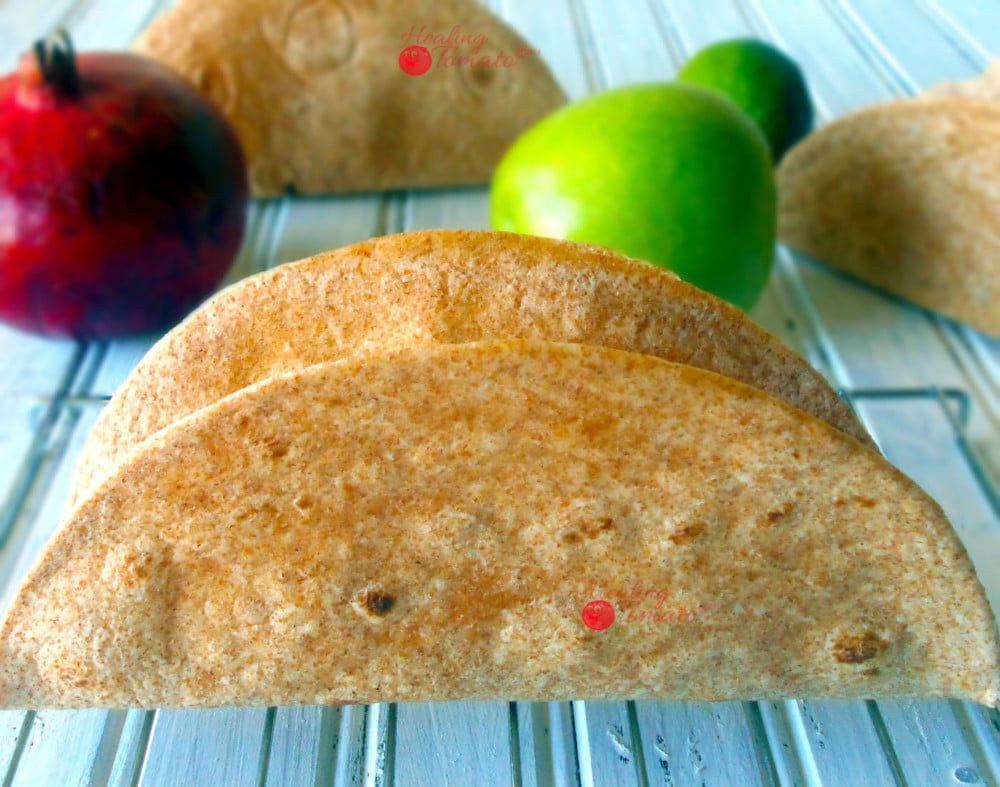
[
  {"x": 763, "y": 81},
  {"x": 669, "y": 173}
]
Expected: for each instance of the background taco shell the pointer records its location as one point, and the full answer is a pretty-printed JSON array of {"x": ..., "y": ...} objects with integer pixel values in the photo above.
[
  {"x": 985, "y": 87},
  {"x": 904, "y": 196},
  {"x": 317, "y": 95}
]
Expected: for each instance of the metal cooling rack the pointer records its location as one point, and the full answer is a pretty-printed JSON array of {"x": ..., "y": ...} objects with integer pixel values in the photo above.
[{"x": 928, "y": 389}]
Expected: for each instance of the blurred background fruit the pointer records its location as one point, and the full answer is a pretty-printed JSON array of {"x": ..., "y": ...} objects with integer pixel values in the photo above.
[
  {"x": 763, "y": 81},
  {"x": 122, "y": 194}
]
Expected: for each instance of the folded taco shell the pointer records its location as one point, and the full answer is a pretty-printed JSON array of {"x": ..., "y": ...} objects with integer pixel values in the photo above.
[
  {"x": 903, "y": 196},
  {"x": 317, "y": 95},
  {"x": 430, "y": 524},
  {"x": 442, "y": 286},
  {"x": 984, "y": 87}
]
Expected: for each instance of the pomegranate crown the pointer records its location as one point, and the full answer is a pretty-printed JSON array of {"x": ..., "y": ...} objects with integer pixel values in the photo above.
[{"x": 56, "y": 61}]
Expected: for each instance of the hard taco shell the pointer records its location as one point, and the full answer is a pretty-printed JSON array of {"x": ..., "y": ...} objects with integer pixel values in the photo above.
[
  {"x": 430, "y": 524},
  {"x": 442, "y": 286}
]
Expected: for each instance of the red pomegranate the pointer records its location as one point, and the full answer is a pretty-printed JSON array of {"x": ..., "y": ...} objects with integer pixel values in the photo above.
[{"x": 122, "y": 194}]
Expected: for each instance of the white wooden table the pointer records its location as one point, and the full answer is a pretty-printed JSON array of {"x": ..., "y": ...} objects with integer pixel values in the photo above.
[{"x": 928, "y": 389}]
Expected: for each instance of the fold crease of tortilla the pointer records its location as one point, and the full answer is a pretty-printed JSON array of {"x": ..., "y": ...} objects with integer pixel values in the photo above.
[{"x": 430, "y": 525}]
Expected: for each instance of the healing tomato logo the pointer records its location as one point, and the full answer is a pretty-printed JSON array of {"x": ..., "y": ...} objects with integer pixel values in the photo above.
[
  {"x": 598, "y": 615},
  {"x": 415, "y": 60}
]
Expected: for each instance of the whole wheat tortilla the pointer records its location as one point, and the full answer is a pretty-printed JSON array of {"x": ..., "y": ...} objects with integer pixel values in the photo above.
[
  {"x": 442, "y": 286},
  {"x": 904, "y": 196},
  {"x": 317, "y": 96},
  {"x": 985, "y": 87},
  {"x": 430, "y": 525}
]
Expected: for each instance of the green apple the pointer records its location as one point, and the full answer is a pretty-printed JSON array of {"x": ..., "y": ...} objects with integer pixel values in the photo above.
[{"x": 669, "y": 173}]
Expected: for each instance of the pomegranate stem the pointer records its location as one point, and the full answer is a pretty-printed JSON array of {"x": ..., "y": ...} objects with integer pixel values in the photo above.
[{"x": 57, "y": 63}]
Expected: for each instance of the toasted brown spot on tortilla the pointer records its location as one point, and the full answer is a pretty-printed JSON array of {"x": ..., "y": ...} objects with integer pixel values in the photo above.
[
  {"x": 277, "y": 447},
  {"x": 482, "y": 76},
  {"x": 378, "y": 602},
  {"x": 589, "y": 529},
  {"x": 777, "y": 515},
  {"x": 687, "y": 533},
  {"x": 303, "y": 503},
  {"x": 858, "y": 648}
]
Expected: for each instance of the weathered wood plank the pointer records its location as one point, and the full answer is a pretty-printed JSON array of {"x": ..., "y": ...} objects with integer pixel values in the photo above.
[
  {"x": 217, "y": 746},
  {"x": 454, "y": 743}
]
